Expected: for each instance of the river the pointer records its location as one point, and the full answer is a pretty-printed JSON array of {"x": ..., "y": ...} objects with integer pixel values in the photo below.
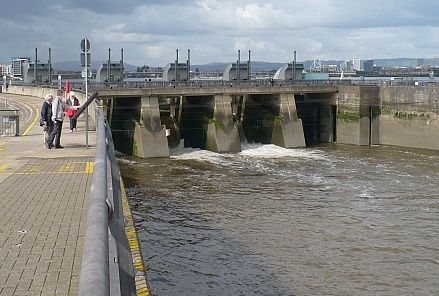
[{"x": 327, "y": 220}]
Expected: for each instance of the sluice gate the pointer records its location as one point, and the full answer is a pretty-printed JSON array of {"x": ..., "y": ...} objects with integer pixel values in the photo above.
[
  {"x": 147, "y": 122},
  {"x": 219, "y": 120}
]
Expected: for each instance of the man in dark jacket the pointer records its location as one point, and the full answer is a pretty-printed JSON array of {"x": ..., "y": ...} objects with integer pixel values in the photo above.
[{"x": 46, "y": 116}]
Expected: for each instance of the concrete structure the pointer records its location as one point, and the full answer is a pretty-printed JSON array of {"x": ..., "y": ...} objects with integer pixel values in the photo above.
[
  {"x": 222, "y": 130},
  {"x": 149, "y": 134},
  {"x": 218, "y": 118},
  {"x": 182, "y": 72},
  {"x": 358, "y": 115},
  {"x": 287, "y": 72},
  {"x": 233, "y": 73},
  {"x": 17, "y": 66},
  {"x": 115, "y": 69},
  {"x": 409, "y": 116},
  {"x": 43, "y": 72}
]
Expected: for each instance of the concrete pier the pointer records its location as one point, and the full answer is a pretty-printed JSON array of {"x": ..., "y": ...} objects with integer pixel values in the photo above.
[
  {"x": 149, "y": 134},
  {"x": 222, "y": 131},
  {"x": 288, "y": 129}
]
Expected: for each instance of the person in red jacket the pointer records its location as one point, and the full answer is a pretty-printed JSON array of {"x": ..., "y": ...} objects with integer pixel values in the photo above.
[{"x": 72, "y": 101}]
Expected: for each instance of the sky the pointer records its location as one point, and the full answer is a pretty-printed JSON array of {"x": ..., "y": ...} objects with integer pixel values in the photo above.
[{"x": 151, "y": 31}]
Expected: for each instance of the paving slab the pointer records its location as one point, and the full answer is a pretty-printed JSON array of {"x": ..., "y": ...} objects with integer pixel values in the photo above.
[{"x": 43, "y": 205}]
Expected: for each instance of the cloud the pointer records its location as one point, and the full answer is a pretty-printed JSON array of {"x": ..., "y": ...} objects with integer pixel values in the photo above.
[{"x": 150, "y": 31}]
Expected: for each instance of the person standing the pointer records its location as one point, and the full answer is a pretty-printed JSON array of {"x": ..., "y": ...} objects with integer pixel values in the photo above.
[
  {"x": 58, "y": 107},
  {"x": 46, "y": 116},
  {"x": 72, "y": 101}
]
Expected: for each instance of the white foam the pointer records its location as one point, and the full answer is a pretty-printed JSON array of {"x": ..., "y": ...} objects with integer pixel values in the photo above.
[
  {"x": 272, "y": 151},
  {"x": 201, "y": 155},
  {"x": 253, "y": 152}
]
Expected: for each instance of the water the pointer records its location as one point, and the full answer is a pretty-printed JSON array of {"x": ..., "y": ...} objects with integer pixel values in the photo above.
[{"x": 332, "y": 220}]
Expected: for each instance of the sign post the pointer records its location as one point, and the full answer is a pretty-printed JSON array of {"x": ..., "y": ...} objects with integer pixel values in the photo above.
[{"x": 85, "y": 61}]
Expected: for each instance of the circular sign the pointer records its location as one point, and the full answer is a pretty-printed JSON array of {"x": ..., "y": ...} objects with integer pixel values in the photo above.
[{"x": 85, "y": 45}]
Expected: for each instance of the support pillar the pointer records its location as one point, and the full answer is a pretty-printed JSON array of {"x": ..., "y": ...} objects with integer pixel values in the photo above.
[
  {"x": 358, "y": 115},
  {"x": 222, "y": 131},
  {"x": 287, "y": 127},
  {"x": 149, "y": 134}
]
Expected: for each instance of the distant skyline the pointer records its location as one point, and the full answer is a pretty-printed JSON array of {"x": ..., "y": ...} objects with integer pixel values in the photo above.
[{"x": 150, "y": 31}]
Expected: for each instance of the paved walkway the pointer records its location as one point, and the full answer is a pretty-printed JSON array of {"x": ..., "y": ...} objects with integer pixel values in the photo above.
[{"x": 43, "y": 206}]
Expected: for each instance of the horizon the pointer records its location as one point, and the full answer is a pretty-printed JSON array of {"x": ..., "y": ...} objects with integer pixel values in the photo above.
[{"x": 253, "y": 61}]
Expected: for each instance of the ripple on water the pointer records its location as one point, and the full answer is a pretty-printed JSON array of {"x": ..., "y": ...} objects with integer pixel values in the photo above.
[{"x": 274, "y": 221}]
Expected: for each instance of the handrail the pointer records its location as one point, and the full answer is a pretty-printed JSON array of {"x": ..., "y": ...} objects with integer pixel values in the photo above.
[
  {"x": 106, "y": 267},
  {"x": 94, "y": 278},
  {"x": 85, "y": 105}
]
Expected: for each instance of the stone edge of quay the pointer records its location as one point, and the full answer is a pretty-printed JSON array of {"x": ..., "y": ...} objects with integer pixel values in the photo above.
[{"x": 142, "y": 288}]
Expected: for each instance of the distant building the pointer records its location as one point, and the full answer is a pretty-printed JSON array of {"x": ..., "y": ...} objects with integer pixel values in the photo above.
[
  {"x": 231, "y": 72},
  {"x": 114, "y": 73},
  {"x": 17, "y": 66},
  {"x": 356, "y": 64},
  {"x": 420, "y": 62},
  {"x": 287, "y": 72},
  {"x": 182, "y": 72},
  {"x": 3, "y": 70},
  {"x": 368, "y": 66},
  {"x": 28, "y": 69}
]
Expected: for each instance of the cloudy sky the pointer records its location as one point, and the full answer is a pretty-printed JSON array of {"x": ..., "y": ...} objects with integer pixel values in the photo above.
[{"x": 150, "y": 31}]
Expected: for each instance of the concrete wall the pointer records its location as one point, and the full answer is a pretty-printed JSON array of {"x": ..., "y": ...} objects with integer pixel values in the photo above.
[
  {"x": 389, "y": 115},
  {"x": 149, "y": 134},
  {"x": 356, "y": 122},
  {"x": 39, "y": 91},
  {"x": 287, "y": 127},
  {"x": 409, "y": 116},
  {"x": 222, "y": 130},
  {"x": 42, "y": 91}
]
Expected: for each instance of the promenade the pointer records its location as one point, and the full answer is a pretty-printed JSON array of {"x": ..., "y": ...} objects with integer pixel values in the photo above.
[{"x": 43, "y": 205}]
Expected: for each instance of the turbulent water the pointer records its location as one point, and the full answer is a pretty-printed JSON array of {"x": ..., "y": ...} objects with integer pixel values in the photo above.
[{"x": 330, "y": 220}]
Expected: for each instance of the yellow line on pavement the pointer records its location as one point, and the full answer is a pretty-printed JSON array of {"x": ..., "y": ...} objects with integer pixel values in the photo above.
[
  {"x": 4, "y": 167},
  {"x": 89, "y": 167},
  {"x": 133, "y": 240},
  {"x": 68, "y": 167},
  {"x": 33, "y": 122},
  {"x": 49, "y": 172}
]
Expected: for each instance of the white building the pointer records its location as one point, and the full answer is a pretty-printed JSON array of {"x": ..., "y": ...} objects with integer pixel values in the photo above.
[
  {"x": 4, "y": 70},
  {"x": 356, "y": 64},
  {"x": 17, "y": 66}
]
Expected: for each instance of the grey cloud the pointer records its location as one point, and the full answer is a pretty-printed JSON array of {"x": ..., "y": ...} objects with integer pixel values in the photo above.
[{"x": 214, "y": 29}]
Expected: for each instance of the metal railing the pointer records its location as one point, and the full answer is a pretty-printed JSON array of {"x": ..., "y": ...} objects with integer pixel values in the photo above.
[
  {"x": 333, "y": 81},
  {"x": 106, "y": 267},
  {"x": 9, "y": 122}
]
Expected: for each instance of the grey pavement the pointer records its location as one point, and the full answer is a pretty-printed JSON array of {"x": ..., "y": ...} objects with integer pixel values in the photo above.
[{"x": 43, "y": 206}]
